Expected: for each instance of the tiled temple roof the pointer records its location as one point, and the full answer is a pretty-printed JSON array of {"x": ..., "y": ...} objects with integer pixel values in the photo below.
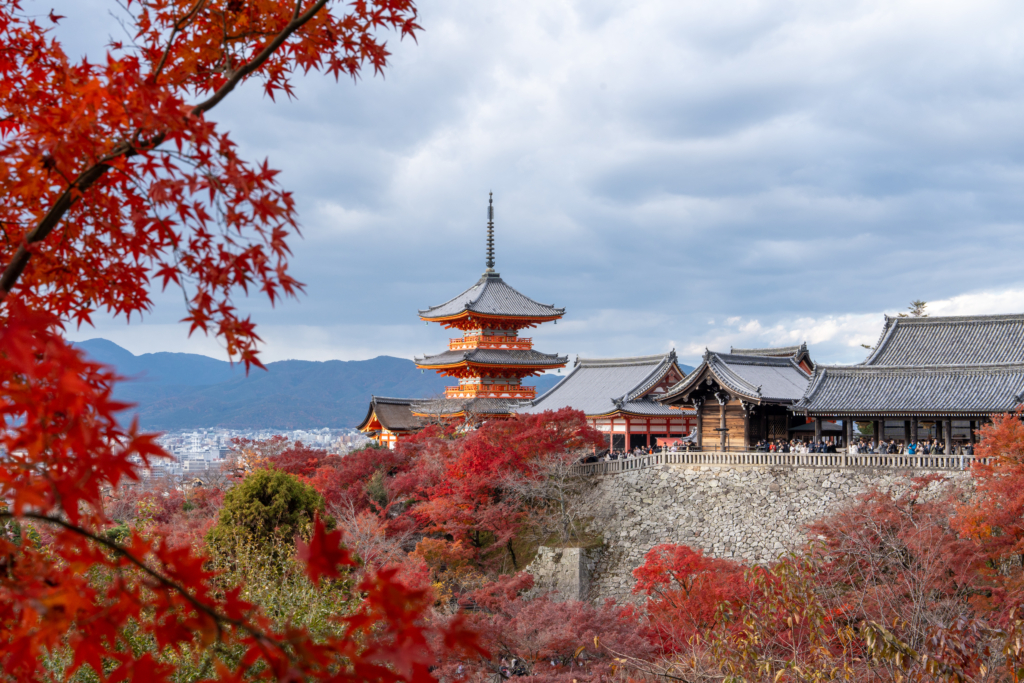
[
  {"x": 959, "y": 340},
  {"x": 970, "y": 365},
  {"x": 394, "y": 414},
  {"x": 887, "y": 390},
  {"x": 601, "y": 386},
  {"x": 494, "y": 357},
  {"x": 491, "y": 296},
  {"x": 758, "y": 378}
]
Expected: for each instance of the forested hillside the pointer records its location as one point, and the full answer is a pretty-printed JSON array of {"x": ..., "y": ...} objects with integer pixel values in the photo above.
[{"x": 185, "y": 390}]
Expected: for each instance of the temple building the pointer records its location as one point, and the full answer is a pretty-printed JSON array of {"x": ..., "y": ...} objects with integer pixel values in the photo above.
[
  {"x": 617, "y": 396},
  {"x": 390, "y": 418},
  {"x": 942, "y": 374},
  {"x": 742, "y": 397}
]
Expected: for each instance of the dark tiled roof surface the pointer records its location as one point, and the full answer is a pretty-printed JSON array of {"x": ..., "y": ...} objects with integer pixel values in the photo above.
[
  {"x": 768, "y": 378},
  {"x": 600, "y": 386},
  {"x": 394, "y": 414},
  {"x": 477, "y": 406},
  {"x": 961, "y": 340},
  {"x": 491, "y": 296},
  {"x": 495, "y": 357},
  {"x": 944, "y": 390}
]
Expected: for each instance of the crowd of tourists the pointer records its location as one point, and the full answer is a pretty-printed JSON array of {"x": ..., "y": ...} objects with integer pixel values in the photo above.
[
  {"x": 866, "y": 446},
  {"x": 933, "y": 447}
]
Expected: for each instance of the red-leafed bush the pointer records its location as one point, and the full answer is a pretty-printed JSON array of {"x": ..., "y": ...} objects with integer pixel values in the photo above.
[
  {"x": 543, "y": 639},
  {"x": 687, "y": 593}
]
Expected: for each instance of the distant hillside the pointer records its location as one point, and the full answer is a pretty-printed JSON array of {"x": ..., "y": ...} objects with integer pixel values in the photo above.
[{"x": 186, "y": 390}]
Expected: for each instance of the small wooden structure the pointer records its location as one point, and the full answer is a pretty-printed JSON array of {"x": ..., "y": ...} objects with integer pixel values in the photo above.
[
  {"x": 742, "y": 397},
  {"x": 390, "y": 418}
]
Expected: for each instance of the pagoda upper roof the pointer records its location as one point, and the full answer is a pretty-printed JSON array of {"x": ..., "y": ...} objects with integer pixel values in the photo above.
[
  {"x": 498, "y": 357},
  {"x": 491, "y": 296}
]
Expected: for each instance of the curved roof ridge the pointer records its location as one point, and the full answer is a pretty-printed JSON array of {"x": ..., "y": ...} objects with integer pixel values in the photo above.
[
  {"x": 812, "y": 387},
  {"x": 629, "y": 360},
  {"x": 655, "y": 376},
  {"x": 930, "y": 319},
  {"x": 885, "y": 336},
  {"x": 395, "y": 401},
  {"x": 722, "y": 370},
  {"x": 476, "y": 284},
  {"x": 777, "y": 351}
]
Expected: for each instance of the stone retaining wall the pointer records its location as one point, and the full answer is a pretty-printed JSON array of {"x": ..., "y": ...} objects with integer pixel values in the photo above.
[{"x": 748, "y": 513}]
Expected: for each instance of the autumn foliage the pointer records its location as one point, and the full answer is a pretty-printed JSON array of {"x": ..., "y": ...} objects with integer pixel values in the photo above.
[{"x": 114, "y": 181}]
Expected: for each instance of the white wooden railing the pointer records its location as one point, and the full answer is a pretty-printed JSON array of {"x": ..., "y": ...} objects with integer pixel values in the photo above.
[{"x": 829, "y": 460}]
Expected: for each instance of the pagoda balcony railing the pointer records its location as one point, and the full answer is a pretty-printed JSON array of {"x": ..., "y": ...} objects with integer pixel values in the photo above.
[
  {"x": 489, "y": 342},
  {"x": 490, "y": 391},
  {"x": 937, "y": 462}
]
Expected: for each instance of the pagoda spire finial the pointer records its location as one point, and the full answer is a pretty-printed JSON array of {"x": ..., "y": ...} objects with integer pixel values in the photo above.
[{"x": 490, "y": 233}]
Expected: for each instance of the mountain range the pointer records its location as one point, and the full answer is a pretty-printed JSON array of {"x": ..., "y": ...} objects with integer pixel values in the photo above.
[{"x": 189, "y": 391}]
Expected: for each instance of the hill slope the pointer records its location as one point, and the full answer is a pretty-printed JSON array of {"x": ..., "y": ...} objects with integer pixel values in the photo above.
[{"x": 185, "y": 390}]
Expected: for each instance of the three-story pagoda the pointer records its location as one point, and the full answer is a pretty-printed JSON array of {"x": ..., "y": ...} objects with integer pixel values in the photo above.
[{"x": 490, "y": 359}]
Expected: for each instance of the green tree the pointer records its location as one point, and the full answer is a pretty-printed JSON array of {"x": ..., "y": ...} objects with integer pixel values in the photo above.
[
  {"x": 915, "y": 310},
  {"x": 265, "y": 505}
]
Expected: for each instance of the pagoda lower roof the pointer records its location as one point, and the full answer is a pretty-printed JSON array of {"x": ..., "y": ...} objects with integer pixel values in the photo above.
[
  {"x": 493, "y": 357},
  {"x": 492, "y": 297}
]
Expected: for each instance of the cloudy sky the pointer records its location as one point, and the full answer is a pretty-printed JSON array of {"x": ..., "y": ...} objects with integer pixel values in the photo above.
[{"x": 675, "y": 173}]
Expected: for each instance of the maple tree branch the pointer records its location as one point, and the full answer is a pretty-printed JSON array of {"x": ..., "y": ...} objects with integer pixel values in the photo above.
[
  {"x": 199, "y": 606},
  {"x": 236, "y": 77},
  {"x": 178, "y": 27},
  {"x": 90, "y": 176}
]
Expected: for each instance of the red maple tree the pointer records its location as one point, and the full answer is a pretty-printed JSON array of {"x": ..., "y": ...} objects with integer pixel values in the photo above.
[
  {"x": 114, "y": 182},
  {"x": 686, "y": 592}
]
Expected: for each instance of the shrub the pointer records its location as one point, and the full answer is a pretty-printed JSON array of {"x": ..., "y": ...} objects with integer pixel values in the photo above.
[{"x": 267, "y": 504}]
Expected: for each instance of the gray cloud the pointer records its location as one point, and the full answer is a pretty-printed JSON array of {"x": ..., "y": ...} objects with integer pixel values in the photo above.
[{"x": 656, "y": 165}]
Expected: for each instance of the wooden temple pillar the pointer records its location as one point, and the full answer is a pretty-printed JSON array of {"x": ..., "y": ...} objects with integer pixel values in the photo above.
[
  {"x": 747, "y": 409},
  {"x": 848, "y": 433},
  {"x": 947, "y": 430},
  {"x": 876, "y": 428},
  {"x": 721, "y": 423},
  {"x": 970, "y": 432},
  {"x": 698, "y": 404},
  {"x": 906, "y": 433},
  {"x": 817, "y": 430},
  {"x": 913, "y": 429}
]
